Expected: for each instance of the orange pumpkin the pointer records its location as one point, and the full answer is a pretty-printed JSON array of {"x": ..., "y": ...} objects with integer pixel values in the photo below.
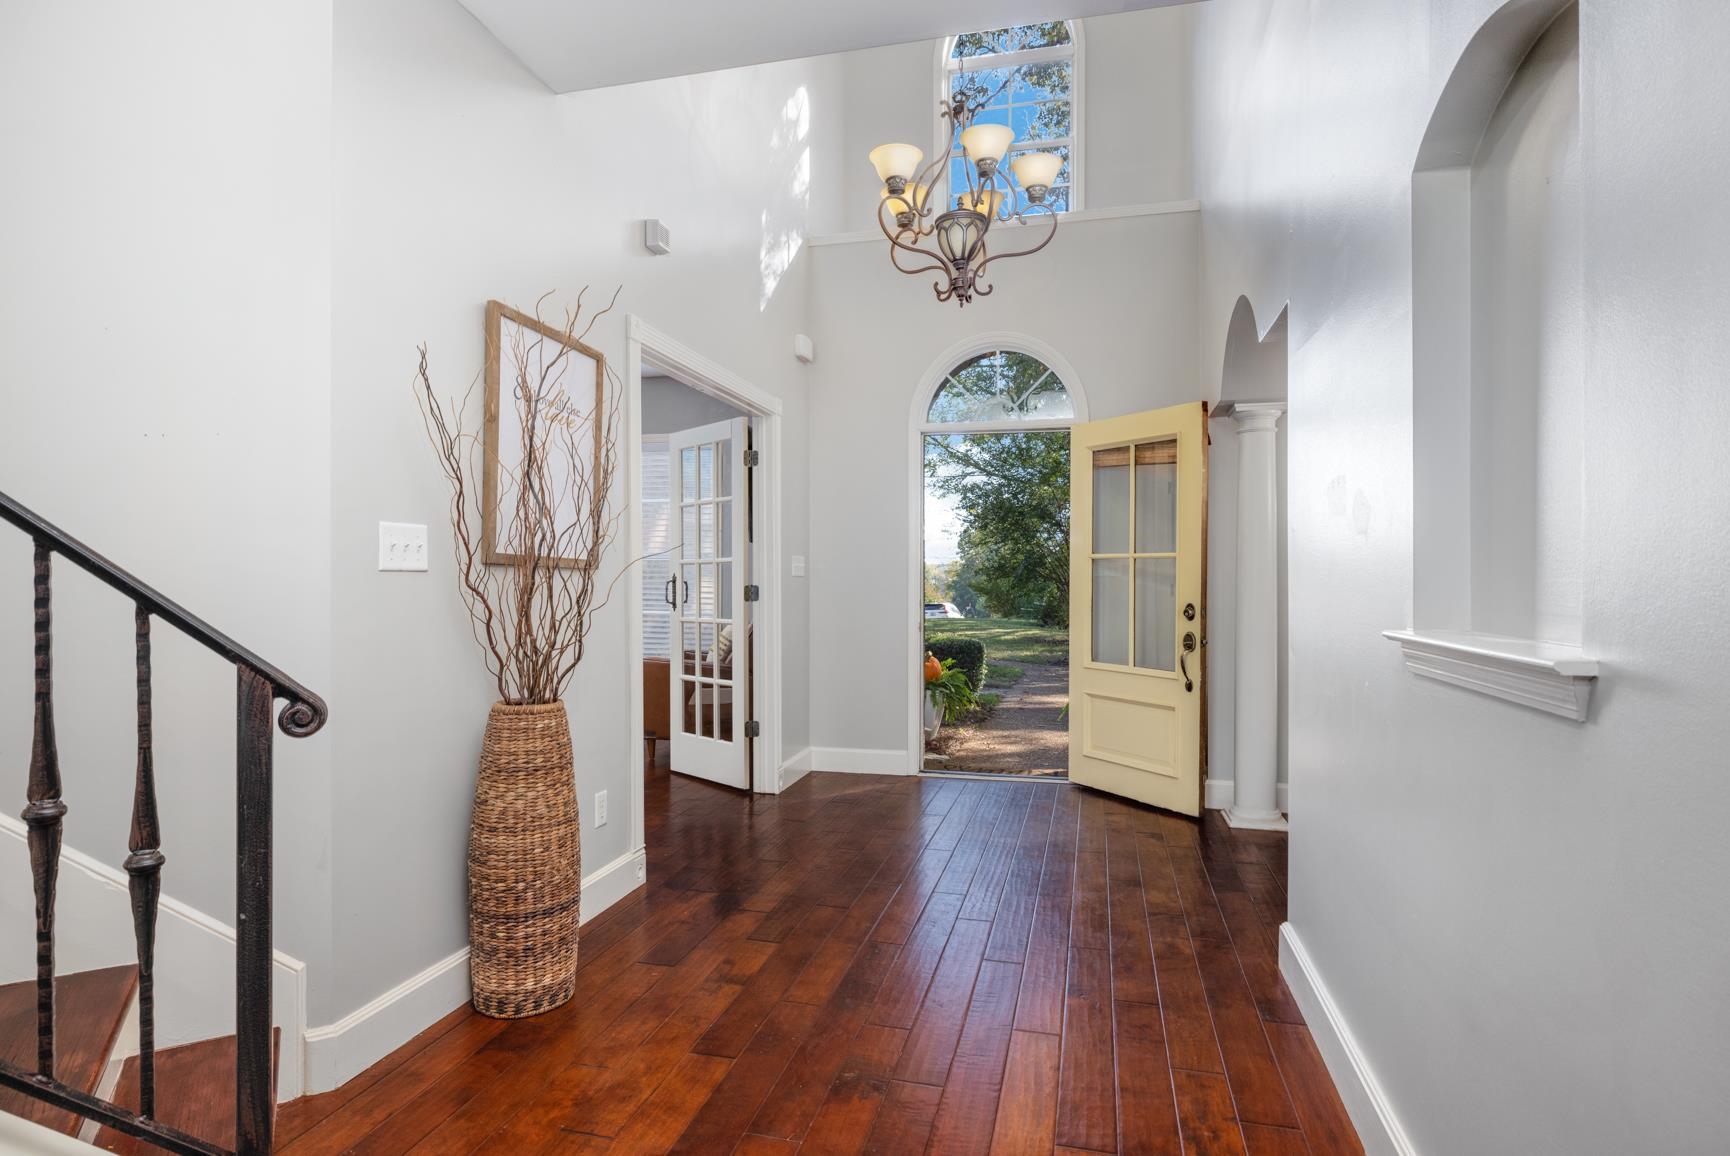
[{"x": 933, "y": 668}]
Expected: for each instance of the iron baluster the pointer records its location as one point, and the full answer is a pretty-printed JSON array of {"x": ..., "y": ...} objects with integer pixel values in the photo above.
[
  {"x": 144, "y": 871},
  {"x": 252, "y": 957},
  {"x": 44, "y": 815}
]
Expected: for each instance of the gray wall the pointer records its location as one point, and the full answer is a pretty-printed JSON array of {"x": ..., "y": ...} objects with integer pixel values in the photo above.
[
  {"x": 670, "y": 406},
  {"x": 1518, "y": 917}
]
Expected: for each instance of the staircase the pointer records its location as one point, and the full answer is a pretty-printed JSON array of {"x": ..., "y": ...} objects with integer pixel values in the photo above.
[{"x": 62, "y": 1038}]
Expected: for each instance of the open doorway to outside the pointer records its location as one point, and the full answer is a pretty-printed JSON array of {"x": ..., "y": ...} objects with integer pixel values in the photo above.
[{"x": 994, "y": 567}]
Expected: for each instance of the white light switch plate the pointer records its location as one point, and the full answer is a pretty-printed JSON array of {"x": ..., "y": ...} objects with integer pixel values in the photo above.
[
  {"x": 798, "y": 565},
  {"x": 401, "y": 546}
]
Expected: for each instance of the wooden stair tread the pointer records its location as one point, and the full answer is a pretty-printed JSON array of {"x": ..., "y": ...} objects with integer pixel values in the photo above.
[
  {"x": 194, "y": 1093},
  {"x": 89, "y": 1009}
]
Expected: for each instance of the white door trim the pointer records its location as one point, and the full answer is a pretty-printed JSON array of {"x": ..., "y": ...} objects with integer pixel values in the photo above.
[
  {"x": 644, "y": 342},
  {"x": 919, "y": 427}
]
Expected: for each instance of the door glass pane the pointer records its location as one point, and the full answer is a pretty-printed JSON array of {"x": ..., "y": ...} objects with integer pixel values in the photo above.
[
  {"x": 1156, "y": 613},
  {"x": 724, "y": 516},
  {"x": 705, "y": 711},
  {"x": 1156, "y": 498},
  {"x": 707, "y": 667},
  {"x": 723, "y": 590},
  {"x": 723, "y": 467},
  {"x": 706, "y": 593},
  {"x": 706, "y": 529},
  {"x": 688, "y": 473},
  {"x": 1111, "y": 610},
  {"x": 1111, "y": 501},
  {"x": 688, "y": 542},
  {"x": 706, "y": 471},
  {"x": 687, "y": 685}
]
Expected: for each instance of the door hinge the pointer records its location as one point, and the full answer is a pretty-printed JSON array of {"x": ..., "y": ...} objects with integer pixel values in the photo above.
[
  {"x": 753, "y": 593},
  {"x": 753, "y": 729},
  {"x": 753, "y": 458}
]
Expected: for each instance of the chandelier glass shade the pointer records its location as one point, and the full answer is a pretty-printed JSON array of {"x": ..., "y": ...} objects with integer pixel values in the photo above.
[{"x": 955, "y": 240}]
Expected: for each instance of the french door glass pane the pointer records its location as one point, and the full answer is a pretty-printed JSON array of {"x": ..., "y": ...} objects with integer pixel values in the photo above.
[
  {"x": 706, "y": 529},
  {"x": 1111, "y": 610},
  {"x": 706, "y": 471},
  {"x": 688, "y": 473},
  {"x": 1156, "y": 613},
  {"x": 1111, "y": 501},
  {"x": 1156, "y": 498}
]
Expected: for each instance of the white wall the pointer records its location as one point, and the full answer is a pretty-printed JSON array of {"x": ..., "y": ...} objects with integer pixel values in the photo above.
[
  {"x": 459, "y": 178},
  {"x": 1519, "y": 917},
  {"x": 1136, "y": 85},
  {"x": 165, "y": 396}
]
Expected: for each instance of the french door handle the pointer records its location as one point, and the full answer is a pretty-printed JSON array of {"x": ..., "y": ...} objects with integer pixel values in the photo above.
[
  {"x": 686, "y": 587},
  {"x": 1183, "y": 659},
  {"x": 667, "y": 594}
]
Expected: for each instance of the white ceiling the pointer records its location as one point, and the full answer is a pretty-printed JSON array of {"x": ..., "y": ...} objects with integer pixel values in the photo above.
[{"x": 577, "y": 44}]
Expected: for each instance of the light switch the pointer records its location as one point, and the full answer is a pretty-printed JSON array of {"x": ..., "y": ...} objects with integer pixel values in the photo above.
[
  {"x": 401, "y": 546},
  {"x": 798, "y": 565}
]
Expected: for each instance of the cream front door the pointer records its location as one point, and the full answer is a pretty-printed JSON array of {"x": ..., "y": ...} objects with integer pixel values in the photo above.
[
  {"x": 711, "y": 634},
  {"x": 1138, "y": 490}
]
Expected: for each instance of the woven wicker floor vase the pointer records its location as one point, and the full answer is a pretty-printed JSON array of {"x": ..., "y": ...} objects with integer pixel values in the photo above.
[{"x": 525, "y": 864}]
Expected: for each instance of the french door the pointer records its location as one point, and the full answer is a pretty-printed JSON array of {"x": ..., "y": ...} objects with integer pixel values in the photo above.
[
  {"x": 710, "y": 667},
  {"x": 1138, "y": 498}
]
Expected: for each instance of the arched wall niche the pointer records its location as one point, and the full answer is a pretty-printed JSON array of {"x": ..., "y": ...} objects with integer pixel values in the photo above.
[{"x": 1497, "y": 330}]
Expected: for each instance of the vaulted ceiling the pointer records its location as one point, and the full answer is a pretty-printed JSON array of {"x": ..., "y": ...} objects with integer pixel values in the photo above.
[{"x": 577, "y": 44}]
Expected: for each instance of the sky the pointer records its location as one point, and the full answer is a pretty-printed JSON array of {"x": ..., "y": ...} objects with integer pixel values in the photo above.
[{"x": 942, "y": 529}]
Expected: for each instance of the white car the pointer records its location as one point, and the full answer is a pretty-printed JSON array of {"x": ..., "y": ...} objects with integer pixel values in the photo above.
[{"x": 942, "y": 610}]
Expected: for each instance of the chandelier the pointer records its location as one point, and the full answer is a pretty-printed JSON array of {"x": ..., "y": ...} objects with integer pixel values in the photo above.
[{"x": 954, "y": 242}]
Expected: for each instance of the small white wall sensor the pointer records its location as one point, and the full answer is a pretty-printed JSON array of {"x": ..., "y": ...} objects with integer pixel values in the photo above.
[
  {"x": 657, "y": 238},
  {"x": 803, "y": 349}
]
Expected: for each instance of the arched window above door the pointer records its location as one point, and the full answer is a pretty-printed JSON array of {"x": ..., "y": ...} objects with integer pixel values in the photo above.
[{"x": 1003, "y": 385}]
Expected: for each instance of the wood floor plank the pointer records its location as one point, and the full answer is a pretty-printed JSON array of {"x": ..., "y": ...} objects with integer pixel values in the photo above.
[
  {"x": 1256, "y": 1083},
  {"x": 843, "y": 1124},
  {"x": 658, "y": 1124},
  {"x": 937, "y": 1029},
  {"x": 1147, "y": 1111},
  {"x": 89, "y": 1007},
  {"x": 968, "y": 1110},
  {"x": 1047, "y": 963},
  {"x": 1319, "y": 1107},
  {"x": 1026, "y": 1122},
  {"x": 1204, "y": 1108},
  {"x": 1087, "y": 1107},
  {"x": 904, "y": 990},
  {"x": 745, "y": 1015},
  {"x": 904, "y": 1121},
  {"x": 1262, "y": 1140},
  {"x": 725, "y": 1116}
]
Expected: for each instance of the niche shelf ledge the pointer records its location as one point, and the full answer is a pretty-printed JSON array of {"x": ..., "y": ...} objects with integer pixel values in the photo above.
[{"x": 1541, "y": 675}]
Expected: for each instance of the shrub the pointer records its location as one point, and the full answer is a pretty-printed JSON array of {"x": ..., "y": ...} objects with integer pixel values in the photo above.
[{"x": 967, "y": 653}]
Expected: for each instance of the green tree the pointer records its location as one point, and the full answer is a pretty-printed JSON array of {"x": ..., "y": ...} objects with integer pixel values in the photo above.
[{"x": 1011, "y": 491}]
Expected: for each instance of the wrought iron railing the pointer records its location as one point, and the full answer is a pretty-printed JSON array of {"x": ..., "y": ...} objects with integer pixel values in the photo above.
[{"x": 259, "y": 686}]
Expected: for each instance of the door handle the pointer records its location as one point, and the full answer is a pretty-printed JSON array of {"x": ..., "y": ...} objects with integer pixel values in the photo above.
[
  {"x": 667, "y": 594},
  {"x": 686, "y": 586},
  {"x": 1183, "y": 659}
]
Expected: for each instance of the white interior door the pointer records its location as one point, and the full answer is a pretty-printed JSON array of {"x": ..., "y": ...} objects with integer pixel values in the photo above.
[{"x": 711, "y": 635}]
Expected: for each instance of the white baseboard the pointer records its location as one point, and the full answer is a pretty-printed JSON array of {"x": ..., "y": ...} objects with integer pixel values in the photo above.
[
  {"x": 853, "y": 761},
  {"x": 338, "y": 1052},
  {"x": 794, "y": 769},
  {"x": 1368, "y": 1105},
  {"x": 194, "y": 952},
  {"x": 1221, "y": 792}
]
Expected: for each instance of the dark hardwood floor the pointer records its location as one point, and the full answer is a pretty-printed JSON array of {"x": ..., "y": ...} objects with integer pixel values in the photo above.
[{"x": 889, "y": 965}]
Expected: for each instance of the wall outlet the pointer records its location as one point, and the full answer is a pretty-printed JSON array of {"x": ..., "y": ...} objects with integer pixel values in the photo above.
[
  {"x": 401, "y": 546},
  {"x": 600, "y": 808}
]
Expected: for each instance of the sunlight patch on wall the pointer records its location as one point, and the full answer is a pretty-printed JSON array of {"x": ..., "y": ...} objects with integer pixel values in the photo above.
[{"x": 783, "y": 223}]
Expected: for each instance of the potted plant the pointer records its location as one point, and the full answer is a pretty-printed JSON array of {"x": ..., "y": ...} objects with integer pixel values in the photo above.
[
  {"x": 531, "y": 523},
  {"x": 948, "y": 694}
]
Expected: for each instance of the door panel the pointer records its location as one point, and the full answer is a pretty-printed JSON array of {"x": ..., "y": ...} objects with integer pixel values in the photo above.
[
  {"x": 1137, "y": 616},
  {"x": 709, "y": 671}
]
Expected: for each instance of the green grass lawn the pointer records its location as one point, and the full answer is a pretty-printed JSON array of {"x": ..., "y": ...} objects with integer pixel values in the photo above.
[{"x": 1007, "y": 641}]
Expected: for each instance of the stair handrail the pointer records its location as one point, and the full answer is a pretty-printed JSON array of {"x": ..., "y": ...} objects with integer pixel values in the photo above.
[
  {"x": 259, "y": 685},
  {"x": 304, "y": 713}
]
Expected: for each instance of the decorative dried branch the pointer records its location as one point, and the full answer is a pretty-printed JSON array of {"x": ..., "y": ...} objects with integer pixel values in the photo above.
[{"x": 531, "y": 615}]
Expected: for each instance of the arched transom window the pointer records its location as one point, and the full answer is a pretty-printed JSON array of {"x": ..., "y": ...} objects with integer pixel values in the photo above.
[
  {"x": 1000, "y": 386},
  {"x": 1029, "y": 78}
]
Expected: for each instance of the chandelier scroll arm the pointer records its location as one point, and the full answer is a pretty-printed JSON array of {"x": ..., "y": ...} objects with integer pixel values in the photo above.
[{"x": 1050, "y": 232}]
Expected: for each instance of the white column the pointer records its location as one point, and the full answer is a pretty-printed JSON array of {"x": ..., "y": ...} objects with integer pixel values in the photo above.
[{"x": 1257, "y": 715}]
